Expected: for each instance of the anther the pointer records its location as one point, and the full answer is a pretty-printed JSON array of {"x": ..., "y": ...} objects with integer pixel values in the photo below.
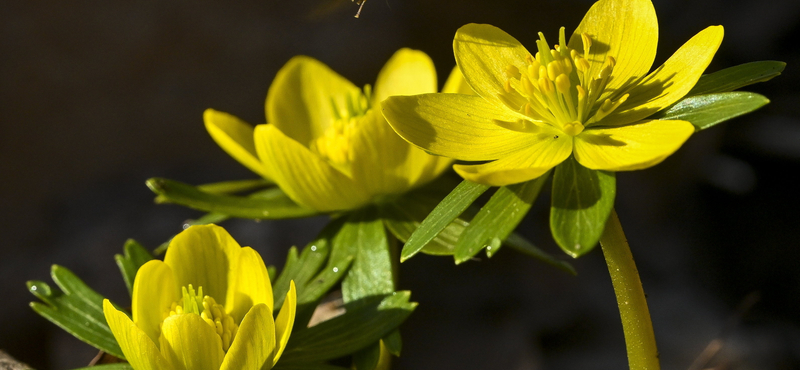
[
  {"x": 553, "y": 70},
  {"x": 545, "y": 85},
  {"x": 527, "y": 86},
  {"x": 533, "y": 70},
  {"x": 562, "y": 83},
  {"x": 587, "y": 44},
  {"x": 512, "y": 71}
]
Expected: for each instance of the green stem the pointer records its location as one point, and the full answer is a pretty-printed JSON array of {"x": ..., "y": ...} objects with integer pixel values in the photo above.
[{"x": 639, "y": 337}]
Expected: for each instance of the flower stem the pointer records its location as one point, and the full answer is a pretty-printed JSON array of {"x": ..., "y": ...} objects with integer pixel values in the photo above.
[{"x": 639, "y": 337}]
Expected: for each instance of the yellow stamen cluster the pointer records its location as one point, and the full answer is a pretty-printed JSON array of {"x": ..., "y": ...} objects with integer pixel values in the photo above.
[
  {"x": 556, "y": 87},
  {"x": 334, "y": 144},
  {"x": 209, "y": 310}
]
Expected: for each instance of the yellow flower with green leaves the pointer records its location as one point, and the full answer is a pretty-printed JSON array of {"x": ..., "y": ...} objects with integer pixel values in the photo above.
[
  {"x": 208, "y": 305},
  {"x": 588, "y": 96},
  {"x": 325, "y": 144}
]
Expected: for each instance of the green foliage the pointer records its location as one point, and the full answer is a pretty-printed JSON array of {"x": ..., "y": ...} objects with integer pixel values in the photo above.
[
  {"x": 522, "y": 245},
  {"x": 76, "y": 308},
  {"x": 705, "y": 111},
  {"x": 372, "y": 272},
  {"x": 498, "y": 218},
  {"x": 134, "y": 257},
  {"x": 442, "y": 217},
  {"x": 365, "y": 322},
  {"x": 582, "y": 200},
  {"x": 310, "y": 277},
  {"x": 367, "y": 358},
  {"x": 271, "y": 203},
  {"x": 736, "y": 77}
]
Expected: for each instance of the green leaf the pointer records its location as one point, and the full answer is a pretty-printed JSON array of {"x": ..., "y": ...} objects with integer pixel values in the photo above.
[
  {"x": 498, "y": 218},
  {"x": 227, "y": 187},
  {"x": 365, "y": 322},
  {"x": 236, "y": 186},
  {"x": 134, "y": 257},
  {"x": 736, "y": 77},
  {"x": 372, "y": 272},
  {"x": 307, "y": 272},
  {"x": 119, "y": 366},
  {"x": 367, "y": 358},
  {"x": 270, "y": 204},
  {"x": 393, "y": 343},
  {"x": 443, "y": 215},
  {"x": 582, "y": 201},
  {"x": 705, "y": 111},
  {"x": 522, "y": 245},
  {"x": 76, "y": 308},
  {"x": 404, "y": 217}
]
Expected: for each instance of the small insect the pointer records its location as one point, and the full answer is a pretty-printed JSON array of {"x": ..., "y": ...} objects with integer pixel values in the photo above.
[
  {"x": 555, "y": 137},
  {"x": 360, "y": 4}
]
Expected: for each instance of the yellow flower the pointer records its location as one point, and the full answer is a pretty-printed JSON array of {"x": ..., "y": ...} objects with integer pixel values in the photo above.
[
  {"x": 589, "y": 96},
  {"x": 208, "y": 305},
  {"x": 324, "y": 144}
]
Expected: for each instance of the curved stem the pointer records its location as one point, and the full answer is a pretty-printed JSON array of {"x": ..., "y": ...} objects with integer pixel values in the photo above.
[{"x": 639, "y": 338}]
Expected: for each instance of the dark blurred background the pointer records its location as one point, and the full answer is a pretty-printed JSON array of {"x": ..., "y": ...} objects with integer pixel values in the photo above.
[{"x": 97, "y": 96}]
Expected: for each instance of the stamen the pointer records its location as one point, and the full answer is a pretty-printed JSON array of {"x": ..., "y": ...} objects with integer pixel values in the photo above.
[
  {"x": 556, "y": 88},
  {"x": 209, "y": 310},
  {"x": 587, "y": 44},
  {"x": 512, "y": 71},
  {"x": 520, "y": 125}
]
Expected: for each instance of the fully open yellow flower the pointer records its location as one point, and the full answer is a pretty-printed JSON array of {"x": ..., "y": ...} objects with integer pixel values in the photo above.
[
  {"x": 589, "y": 96},
  {"x": 208, "y": 305},
  {"x": 324, "y": 144}
]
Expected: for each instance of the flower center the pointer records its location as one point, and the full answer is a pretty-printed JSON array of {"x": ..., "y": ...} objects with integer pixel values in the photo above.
[
  {"x": 334, "y": 144},
  {"x": 556, "y": 87},
  {"x": 212, "y": 313}
]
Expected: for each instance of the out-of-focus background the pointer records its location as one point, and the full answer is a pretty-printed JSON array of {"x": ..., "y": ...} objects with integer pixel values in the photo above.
[{"x": 97, "y": 96}]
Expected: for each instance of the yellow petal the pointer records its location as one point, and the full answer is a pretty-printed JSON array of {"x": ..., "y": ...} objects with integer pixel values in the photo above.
[
  {"x": 188, "y": 342},
  {"x": 630, "y": 147},
  {"x": 254, "y": 343},
  {"x": 305, "y": 177},
  {"x": 624, "y": 29},
  {"x": 551, "y": 148},
  {"x": 456, "y": 84},
  {"x": 483, "y": 52},
  {"x": 235, "y": 137},
  {"x": 456, "y": 126},
  {"x": 204, "y": 255},
  {"x": 408, "y": 72},
  {"x": 384, "y": 163},
  {"x": 138, "y": 348},
  {"x": 670, "y": 82},
  {"x": 304, "y": 96},
  {"x": 251, "y": 285},
  {"x": 285, "y": 322},
  {"x": 154, "y": 291}
]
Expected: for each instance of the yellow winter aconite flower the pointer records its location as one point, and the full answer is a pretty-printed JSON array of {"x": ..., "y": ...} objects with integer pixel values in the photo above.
[
  {"x": 589, "y": 96},
  {"x": 325, "y": 145},
  {"x": 208, "y": 305}
]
